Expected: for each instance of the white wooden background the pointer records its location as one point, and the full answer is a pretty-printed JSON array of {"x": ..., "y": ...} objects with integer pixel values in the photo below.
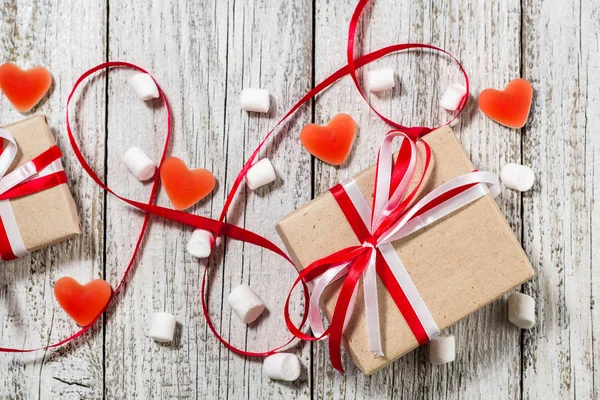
[{"x": 203, "y": 53}]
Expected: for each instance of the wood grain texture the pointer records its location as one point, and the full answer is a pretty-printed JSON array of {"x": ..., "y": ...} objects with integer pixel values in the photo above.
[
  {"x": 561, "y": 144},
  {"x": 35, "y": 33},
  {"x": 203, "y": 53}
]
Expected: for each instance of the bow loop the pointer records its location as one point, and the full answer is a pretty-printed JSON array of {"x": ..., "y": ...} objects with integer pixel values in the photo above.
[
  {"x": 397, "y": 179},
  {"x": 417, "y": 132},
  {"x": 8, "y": 153}
]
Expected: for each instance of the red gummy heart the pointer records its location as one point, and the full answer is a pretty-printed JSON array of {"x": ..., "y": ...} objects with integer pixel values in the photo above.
[
  {"x": 24, "y": 89},
  {"x": 185, "y": 187},
  {"x": 330, "y": 143},
  {"x": 83, "y": 303},
  {"x": 510, "y": 106}
]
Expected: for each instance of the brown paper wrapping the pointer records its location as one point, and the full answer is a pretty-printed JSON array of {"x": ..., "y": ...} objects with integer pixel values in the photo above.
[
  {"x": 459, "y": 264},
  {"x": 50, "y": 216}
]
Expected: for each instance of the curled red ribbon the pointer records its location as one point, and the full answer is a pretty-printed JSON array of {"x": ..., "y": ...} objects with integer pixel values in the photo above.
[{"x": 219, "y": 227}]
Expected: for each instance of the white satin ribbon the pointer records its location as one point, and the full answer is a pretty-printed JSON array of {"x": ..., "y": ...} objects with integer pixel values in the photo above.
[
  {"x": 19, "y": 175},
  {"x": 9, "y": 153},
  {"x": 12, "y": 229},
  {"x": 371, "y": 304},
  {"x": 385, "y": 204}
]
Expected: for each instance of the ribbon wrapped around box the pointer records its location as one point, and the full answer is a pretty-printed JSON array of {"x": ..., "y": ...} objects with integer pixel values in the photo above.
[
  {"x": 36, "y": 206},
  {"x": 434, "y": 249}
]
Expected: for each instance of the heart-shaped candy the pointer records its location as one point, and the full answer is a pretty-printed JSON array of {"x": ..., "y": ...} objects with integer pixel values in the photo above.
[
  {"x": 24, "y": 89},
  {"x": 83, "y": 303},
  {"x": 510, "y": 106},
  {"x": 185, "y": 187},
  {"x": 330, "y": 143}
]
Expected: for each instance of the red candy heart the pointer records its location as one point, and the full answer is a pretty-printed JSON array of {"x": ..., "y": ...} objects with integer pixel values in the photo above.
[
  {"x": 510, "y": 106},
  {"x": 330, "y": 143},
  {"x": 24, "y": 89},
  {"x": 83, "y": 303},
  {"x": 185, "y": 187}
]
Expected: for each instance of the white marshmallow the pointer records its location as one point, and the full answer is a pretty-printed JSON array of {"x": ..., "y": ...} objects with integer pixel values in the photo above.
[
  {"x": 521, "y": 310},
  {"x": 260, "y": 174},
  {"x": 140, "y": 165},
  {"x": 282, "y": 367},
  {"x": 144, "y": 86},
  {"x": 518, "y": 177},
  {"x": 452, "y": 97},
  {"x": 442, "y": 350},
  {"x": 162, "y": 327},
  {"x": 256, "y": 100},
  {"x": 200, "y": 243},
  {"x": 379, "y": 80},
  {"x": 246, "y": 304}
]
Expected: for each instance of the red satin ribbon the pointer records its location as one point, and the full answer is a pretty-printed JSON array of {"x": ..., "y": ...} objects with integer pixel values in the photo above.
[
  {"x": 219, "y": 227},
  {"x": 35, "y": 185},
  {"x": 46, "y": 158},
  {"x": 6, "y": 252}
]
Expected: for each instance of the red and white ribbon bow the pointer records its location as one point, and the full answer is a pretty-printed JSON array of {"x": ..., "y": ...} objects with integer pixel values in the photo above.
[
  {"x": 392, "y": 217},
  {"x": 41, "y": 173}
]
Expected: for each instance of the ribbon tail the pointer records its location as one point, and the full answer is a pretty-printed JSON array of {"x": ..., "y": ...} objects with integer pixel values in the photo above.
[
  {"x": 342, "y": 306},
  {"x": 372, "y": 307},
  {"x": 314, "y": 314},
  {"x": 352, "y": 303}
]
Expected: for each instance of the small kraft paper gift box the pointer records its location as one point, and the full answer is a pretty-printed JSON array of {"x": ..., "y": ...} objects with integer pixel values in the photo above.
[
  {"x": 458, "y": 264},
  {"x": 36, "y": 206}
]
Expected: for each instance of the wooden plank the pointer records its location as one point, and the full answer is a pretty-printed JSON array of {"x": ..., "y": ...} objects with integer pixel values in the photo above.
[
  {"x": 66, "y": 40},
  {"x": 270, "y": 46},
  {"x": 488, "y": 347},
  {"x": 561, "y": 144},
  {"x": 204, "y": 53},
  {"x": 590, "y": 23}
]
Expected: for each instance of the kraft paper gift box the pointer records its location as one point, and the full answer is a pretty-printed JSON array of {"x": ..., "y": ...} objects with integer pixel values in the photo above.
[
  {"x": 48, "y": 216},
  {"x": 458, "y": 264}
]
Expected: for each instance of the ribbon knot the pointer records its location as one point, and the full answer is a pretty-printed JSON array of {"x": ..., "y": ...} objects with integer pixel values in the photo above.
[{"x": 370, "y": 242}]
